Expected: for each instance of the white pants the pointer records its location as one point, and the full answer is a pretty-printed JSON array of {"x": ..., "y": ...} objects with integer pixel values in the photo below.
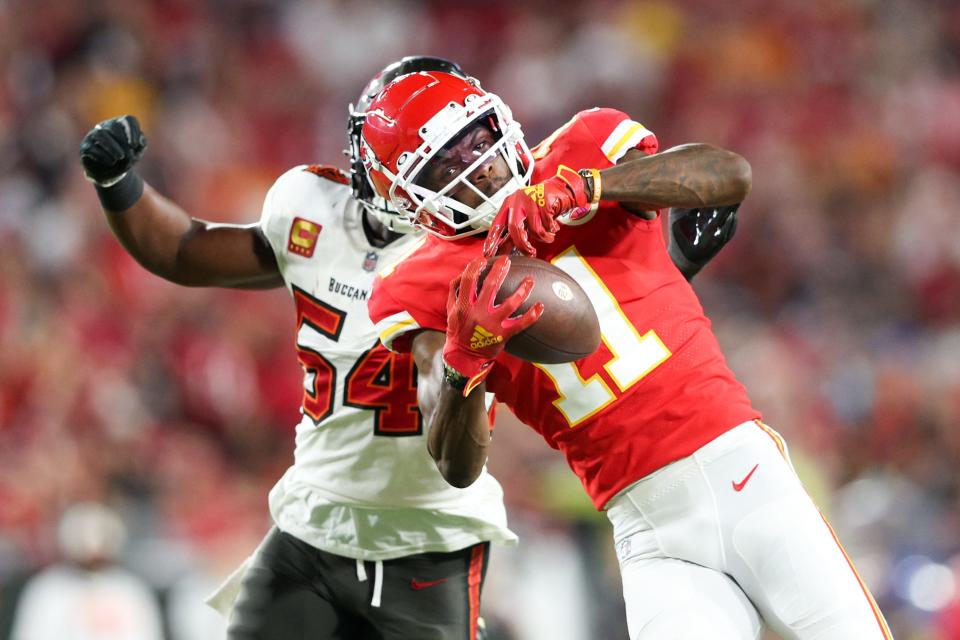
[{"x": 718, "y": 543}]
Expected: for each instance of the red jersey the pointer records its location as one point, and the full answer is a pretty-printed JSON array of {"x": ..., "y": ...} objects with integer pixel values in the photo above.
[{"x": 656, "y": 390}]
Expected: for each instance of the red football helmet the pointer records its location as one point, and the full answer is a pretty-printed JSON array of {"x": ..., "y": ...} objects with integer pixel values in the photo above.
[
  {"x": 414, "y": 118},
  {"x": 362, "y": 190}
]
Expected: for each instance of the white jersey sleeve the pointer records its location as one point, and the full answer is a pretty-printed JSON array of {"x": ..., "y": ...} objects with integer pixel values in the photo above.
[
  {"x": 272, "y": 217},
  {"x": 284, "y": 220}
]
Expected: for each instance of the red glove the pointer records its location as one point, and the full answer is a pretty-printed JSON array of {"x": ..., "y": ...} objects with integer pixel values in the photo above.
[
  {"x": 537, "y": 208},
  {"x": 477, "y": 327}
]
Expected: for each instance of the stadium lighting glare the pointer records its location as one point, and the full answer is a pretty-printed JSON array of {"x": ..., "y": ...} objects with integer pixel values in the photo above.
[{"x": 931, "y": 586}]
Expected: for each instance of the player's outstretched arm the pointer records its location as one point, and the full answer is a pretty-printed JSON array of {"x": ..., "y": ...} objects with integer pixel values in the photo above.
[
  {"x": 458, "y": 427},
  {"x": 690, "y": 175},
  {"x": 160, "y": 235}
]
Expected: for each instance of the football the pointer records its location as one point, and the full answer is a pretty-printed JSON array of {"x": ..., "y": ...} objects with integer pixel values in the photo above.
[{"x": 568, "y": 329}]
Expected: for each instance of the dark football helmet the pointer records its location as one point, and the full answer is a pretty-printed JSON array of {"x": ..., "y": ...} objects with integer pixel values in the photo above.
[{"x": 362, "y": 189}]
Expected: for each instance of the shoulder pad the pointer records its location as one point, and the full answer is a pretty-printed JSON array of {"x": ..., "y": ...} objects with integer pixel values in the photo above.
[
  {"x": 616, "y": 133},
  {"x": 328, "y": 172}
]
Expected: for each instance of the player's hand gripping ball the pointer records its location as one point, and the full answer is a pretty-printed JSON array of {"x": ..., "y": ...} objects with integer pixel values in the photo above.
[
  {"x": 568, "y": 328},
  {"x": 528, "y": 307},
  {"x": 480, "y": 321}
]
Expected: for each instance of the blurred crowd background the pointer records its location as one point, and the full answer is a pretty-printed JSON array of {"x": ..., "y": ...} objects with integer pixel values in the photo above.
[{"x": 838, "y": 301}]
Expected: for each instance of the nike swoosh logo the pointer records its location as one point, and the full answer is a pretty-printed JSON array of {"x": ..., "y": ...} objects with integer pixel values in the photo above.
[
  {"x": 738, "y": 486},
  {"x": 416, "y": 585}
]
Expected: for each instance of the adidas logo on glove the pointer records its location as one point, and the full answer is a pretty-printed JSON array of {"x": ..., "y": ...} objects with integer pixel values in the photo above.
[
  {"x": 536, "y": 193},
  {"x": 482, "y": 338}
]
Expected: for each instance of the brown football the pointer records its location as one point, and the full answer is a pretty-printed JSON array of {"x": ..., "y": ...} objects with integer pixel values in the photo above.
[{"x": 568, "y": 329}]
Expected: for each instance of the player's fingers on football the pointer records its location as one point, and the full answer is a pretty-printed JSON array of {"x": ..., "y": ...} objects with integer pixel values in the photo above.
[
  {"x": 469, "y": 280},
  {"x": 494, "y": 280},
  {"x": 517, "y": 298},
  {"x": 531, "y": 315},
  {"x": 462, "y": 297},
  {"x": 454, "y": 292}
]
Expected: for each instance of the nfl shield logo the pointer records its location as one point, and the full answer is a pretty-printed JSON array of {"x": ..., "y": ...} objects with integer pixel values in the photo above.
[{"x": 370, "y": 261}]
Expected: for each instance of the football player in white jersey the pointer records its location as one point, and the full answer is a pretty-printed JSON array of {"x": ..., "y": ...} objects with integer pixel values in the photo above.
[
  {"x": 398, "y": 553},
  {"x": 370, "y": 541}
]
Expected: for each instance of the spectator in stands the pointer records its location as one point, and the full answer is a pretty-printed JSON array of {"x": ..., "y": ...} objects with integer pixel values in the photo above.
[{"x": 88, "y": 595}]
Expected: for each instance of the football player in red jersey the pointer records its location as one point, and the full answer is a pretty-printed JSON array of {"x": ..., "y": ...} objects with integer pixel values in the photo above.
[
  {"x": 714, "y": 532},
  {"x": 403, "y": 559}
]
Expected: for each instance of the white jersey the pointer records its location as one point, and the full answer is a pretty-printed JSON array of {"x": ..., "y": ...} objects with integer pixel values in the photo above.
[{"x": 362, "y": 484}]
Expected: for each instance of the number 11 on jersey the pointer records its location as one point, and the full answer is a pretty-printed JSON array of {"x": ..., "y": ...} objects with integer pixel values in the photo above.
[{"x": 634, "y": 355}]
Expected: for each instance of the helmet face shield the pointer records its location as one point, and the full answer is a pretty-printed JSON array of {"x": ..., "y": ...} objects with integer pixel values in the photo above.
[
  {"x": 465, "y": 174},
  {"x": 462, "y": 183},
  {"x": 466, "y": 155}
]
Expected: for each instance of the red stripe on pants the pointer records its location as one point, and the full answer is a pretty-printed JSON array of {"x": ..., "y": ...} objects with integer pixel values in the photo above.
[{"x": 474, "y": 577}]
